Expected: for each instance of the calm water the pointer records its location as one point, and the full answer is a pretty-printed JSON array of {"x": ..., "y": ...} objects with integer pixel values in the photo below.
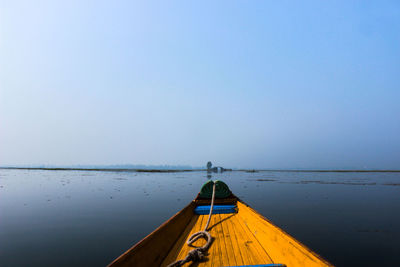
[{"x": 86, "y": 218}]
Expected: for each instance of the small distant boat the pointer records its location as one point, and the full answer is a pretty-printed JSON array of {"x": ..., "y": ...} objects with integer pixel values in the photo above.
[{"x": 240, "y": 237}]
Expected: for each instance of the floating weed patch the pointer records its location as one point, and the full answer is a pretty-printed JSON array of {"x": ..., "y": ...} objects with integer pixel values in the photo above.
[
  {"x": 325, "y": 182},
  {"x": 262, "y": 180}
]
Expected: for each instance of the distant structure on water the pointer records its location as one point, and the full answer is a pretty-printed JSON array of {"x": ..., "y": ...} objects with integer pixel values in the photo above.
[
  {"x": 209, "y": 165},
  {"x": 210, "y": 168}
]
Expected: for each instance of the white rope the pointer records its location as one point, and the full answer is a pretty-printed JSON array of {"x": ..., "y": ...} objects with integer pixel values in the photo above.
[
  {"x": 197, "y": 254},
  {"x": 211, "y": 208}
]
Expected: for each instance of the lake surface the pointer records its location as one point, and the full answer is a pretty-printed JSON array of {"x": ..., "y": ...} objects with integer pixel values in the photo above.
[{"x": 87, "y": 218}]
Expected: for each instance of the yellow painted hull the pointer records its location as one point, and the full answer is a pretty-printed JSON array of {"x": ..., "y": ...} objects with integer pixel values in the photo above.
[{"x": 242, "y": 238}]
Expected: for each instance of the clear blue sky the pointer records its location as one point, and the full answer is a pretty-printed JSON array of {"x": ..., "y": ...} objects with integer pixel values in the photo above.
[{"x": 256, "y": 84}]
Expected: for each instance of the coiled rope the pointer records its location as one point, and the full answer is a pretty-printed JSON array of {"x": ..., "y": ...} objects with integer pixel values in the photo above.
[{"x": 197, "y": 254}]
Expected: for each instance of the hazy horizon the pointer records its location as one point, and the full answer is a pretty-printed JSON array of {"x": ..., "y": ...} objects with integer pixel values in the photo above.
[
  {"x": 265, "y": 85},
  {"x": 179, "y": 167}
]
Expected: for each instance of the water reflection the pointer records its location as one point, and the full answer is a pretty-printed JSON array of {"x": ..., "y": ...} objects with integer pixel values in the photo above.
[{"x": 78, "y": 218}]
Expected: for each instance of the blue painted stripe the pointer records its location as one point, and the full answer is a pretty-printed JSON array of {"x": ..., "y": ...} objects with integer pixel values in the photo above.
[{"x": 218, "y": 209}]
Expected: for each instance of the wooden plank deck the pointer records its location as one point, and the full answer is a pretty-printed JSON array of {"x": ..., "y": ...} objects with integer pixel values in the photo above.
[
  {"x": 243, "y": 238},
  {"x": 234, "y": 244}
]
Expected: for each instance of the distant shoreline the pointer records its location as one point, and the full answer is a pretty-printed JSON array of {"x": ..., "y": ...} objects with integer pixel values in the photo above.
[
  {"x": 180, "y": 170},
  {"x": 99, "y": 169},
  {"x": 277, "y": 170}
]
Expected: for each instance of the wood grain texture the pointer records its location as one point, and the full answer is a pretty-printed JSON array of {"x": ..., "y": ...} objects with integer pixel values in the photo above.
[
  {"x": 242, "y": 238},
  {"x": 153, "y": 249},
  {"x": 233, "y": 243}
]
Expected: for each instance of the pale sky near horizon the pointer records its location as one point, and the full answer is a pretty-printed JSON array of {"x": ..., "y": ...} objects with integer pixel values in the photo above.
[{"x": 249, "y": 84}]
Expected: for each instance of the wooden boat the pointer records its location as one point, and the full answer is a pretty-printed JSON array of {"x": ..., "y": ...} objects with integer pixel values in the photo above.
[{"x": 241, "y": 237}]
